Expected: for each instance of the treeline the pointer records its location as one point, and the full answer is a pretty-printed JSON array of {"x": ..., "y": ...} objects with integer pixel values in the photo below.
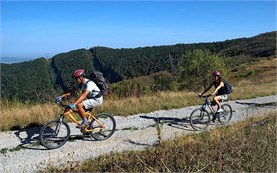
[
  {"x": 65, "y": 63},
  {"x": 192, "y": 73},
  {"x": 27, "y": 81},
  {"x": 128, "y": 63},
  {"x": 156, "y": 68}
]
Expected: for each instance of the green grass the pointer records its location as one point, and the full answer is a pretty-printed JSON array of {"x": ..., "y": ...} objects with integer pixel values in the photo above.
[
  {"x": 130, "y": 128},
  {"x": 5, "y": 150},
  {"x": 248, "y": 146}
]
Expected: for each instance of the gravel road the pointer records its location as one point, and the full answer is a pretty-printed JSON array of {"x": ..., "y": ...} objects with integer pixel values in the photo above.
[{"x": 20, "y": 151}]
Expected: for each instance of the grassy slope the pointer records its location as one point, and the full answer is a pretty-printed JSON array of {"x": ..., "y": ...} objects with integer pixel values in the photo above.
[{"x": 251, "y": 80}]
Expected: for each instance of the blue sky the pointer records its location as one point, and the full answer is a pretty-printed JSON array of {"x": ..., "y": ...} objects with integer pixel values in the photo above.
[{"x": 33, "y": 29}]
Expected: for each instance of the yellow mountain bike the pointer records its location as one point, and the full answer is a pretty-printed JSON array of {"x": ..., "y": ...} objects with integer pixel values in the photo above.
[{"x": 56, "y": 133}]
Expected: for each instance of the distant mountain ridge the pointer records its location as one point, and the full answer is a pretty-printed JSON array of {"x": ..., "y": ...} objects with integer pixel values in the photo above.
[
  {"x": 11, "y": 60},
  {"x": 44, "y": 78}
]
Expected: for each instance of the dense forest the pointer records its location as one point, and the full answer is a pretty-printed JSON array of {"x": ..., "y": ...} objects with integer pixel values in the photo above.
[{"x": 153, "y": 68}]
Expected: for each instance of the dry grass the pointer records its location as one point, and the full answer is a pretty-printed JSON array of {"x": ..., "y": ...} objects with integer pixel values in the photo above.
[
  {"x": 259, "y": 79},
  {"x": 158, "y": 101},
  {"x": 18, "y": 115},
  {"x": 248, "y": 89},
  {"x": 23, "y": 115},
  {"x": 248, "y": 146}
]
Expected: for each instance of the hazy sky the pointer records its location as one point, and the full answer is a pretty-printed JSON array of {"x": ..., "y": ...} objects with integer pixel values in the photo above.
[{"x": 33, "y": 29}]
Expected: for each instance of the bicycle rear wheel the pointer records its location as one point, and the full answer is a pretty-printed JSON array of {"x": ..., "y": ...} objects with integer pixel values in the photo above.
[
  {"x": 102, "y": 133},
  {"x": 200, "y": 119},
  {"x": 225, "y": 117},
  {"x": 54, "y": 134}
]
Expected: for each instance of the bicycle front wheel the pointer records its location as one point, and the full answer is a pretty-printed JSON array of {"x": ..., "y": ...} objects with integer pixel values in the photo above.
[
  {"x": 54, "y": 134},
  {"x": 200, "y": 119},
  {"x": 225, "y": 116},
  {"x": 103, "y": 127}
]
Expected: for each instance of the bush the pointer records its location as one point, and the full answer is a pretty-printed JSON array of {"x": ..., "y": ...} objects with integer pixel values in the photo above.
[
  {"x": 162, "y": 81},
  {"x": 196, "y": 67}
]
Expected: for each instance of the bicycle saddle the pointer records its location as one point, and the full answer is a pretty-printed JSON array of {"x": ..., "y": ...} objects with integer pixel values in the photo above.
[{"x": 88, "y": 110}]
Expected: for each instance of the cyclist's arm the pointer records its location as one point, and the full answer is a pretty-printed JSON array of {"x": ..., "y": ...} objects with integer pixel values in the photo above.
[
  {"x": 207, "y": 89},
  {"x": 65, "y": 95},
  {"x": 219, "y": 86},
  {"x": 82, "y": 97},
  {"x": 68, "y": 93}
]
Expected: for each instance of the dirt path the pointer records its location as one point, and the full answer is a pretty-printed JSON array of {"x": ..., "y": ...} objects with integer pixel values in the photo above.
[{"x": 21, "y": 152}]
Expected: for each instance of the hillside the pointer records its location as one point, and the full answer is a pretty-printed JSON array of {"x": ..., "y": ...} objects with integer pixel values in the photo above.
[{"x": 42, "y": 78}]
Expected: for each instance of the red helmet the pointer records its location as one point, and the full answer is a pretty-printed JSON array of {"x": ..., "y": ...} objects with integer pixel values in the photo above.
[
  {"x": 78, "y": 73},
  {"x": 216, "y": 73}
]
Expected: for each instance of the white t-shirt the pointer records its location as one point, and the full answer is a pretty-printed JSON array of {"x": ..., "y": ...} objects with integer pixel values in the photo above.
[{"x": 91, "y": 87}]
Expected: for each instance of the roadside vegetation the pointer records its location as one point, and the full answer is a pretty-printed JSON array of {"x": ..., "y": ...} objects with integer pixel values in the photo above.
[
  {"x": 247, "y": 146},
  {"x": 249, "y": 80}
]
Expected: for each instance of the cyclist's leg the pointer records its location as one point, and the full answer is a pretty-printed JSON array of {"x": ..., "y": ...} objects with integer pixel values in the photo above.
[
  {"x": 88, "y": 104},
  {"x": 82, "y": 113},
  {"x": 81, "y": 110},
  {"x": 213, "y": 103},
  {"x": 92, "y": 103},
  {"x": 217, "y": 100}
]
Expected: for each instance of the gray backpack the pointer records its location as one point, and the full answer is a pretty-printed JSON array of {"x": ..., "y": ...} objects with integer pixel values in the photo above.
[{"x": 100, "y": 81}]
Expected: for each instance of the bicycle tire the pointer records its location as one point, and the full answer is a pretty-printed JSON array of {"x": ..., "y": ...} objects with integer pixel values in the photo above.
[
  {"x": 54, "y": 134},
  {"x": 102, "y": 134},
  {"x": 200, "y": 119},
  {"x": 225, "y": 117}
]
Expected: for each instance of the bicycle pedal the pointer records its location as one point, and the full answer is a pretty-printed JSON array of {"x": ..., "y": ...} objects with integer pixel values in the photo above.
[{"x": 85, "y": 130}]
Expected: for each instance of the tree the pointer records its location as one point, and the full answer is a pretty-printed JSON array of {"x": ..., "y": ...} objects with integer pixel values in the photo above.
[{"x": 196, "y": 67}]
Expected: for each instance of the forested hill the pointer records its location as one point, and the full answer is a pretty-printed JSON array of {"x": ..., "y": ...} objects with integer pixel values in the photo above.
[
  {"x": 126, "y": 63},
  {"x": 44, "y": 78}
]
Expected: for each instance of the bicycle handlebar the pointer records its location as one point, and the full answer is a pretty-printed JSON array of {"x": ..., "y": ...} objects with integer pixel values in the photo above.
[{"x": 60, "y": 103}]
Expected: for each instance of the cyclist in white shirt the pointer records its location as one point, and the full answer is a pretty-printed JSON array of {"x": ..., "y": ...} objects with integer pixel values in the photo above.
[{"x": 90, "y": 97}]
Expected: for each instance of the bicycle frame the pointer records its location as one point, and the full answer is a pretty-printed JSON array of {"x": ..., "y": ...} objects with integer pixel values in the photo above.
[
  {"x": 208, "y": 104},
  {"x": 200, "y": 117},
  {"x": 89, "y": 116}
]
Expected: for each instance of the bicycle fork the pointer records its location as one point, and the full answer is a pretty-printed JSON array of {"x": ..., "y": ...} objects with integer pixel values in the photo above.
[{"x": 58, "y": 127}]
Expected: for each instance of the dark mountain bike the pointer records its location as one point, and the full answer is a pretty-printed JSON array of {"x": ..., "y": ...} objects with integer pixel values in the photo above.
[{"x": 200, "y": 118}]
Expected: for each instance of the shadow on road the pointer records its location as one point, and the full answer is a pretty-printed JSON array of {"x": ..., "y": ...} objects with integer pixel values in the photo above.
[
  {"x": 29, "y": 137},
  {"x": 136, "y": 143},
  {"x": 257, "y": 104},
  {"x": 178, "y": 123}
]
